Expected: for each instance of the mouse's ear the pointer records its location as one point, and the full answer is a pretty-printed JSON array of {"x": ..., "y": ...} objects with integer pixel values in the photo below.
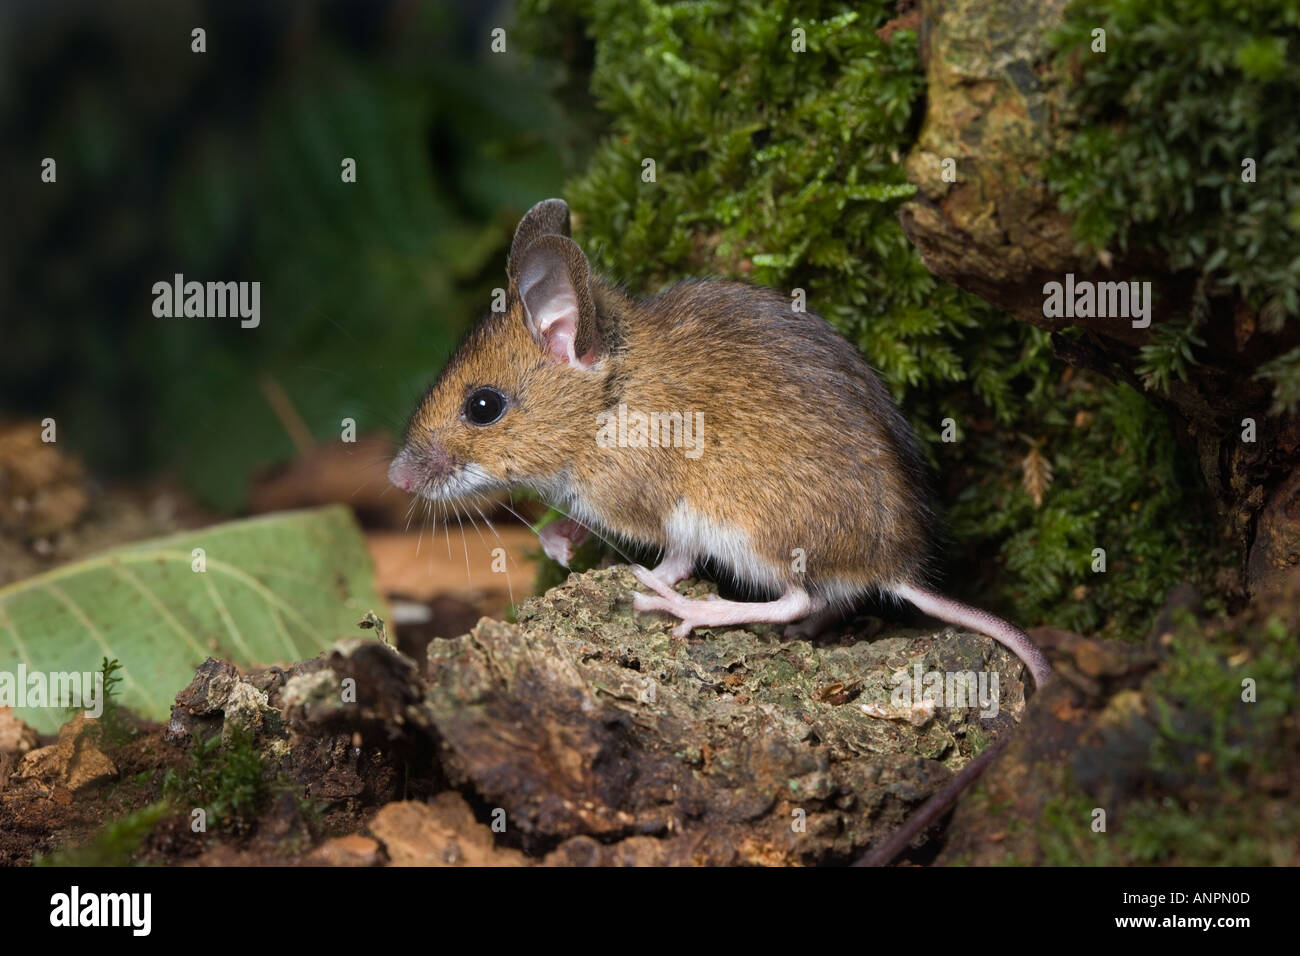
[
  {"x": 550, "y": 217},
  {"x": 554, "y": 284}
]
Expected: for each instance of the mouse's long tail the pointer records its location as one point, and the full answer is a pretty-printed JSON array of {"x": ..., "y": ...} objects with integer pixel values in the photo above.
[{"x": 963, "y": 615}]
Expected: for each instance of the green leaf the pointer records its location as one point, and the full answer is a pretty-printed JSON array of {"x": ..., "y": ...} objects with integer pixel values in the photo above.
[{"x": 276, "y": 589}]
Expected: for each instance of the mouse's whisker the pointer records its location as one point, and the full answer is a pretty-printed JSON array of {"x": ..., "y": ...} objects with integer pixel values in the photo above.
[
  {"x": 446, "y": 526},
  {"x": 410, "y": 511},
  {"x": 423, "y": 521},
  {"x": 469, "y": 579},
  {"x": 367, "y": 482},
  {"x": 433, "y": 530},
  {"x": 510, "y": 591}
]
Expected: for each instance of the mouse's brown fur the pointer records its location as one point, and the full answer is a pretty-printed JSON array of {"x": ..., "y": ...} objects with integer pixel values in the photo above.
[
  {"x": 803, "y": 451},
  {"x": 803, "y": 479}
]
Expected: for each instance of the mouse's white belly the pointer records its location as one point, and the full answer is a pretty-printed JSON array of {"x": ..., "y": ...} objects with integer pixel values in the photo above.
[{"x": 690, "y": 532}]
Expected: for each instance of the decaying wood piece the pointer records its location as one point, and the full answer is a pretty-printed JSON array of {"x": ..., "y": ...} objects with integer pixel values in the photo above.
[{"x": 737, "y": 746}]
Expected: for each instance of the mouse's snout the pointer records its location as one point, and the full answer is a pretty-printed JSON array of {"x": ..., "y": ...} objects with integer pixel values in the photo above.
[
  {"x": 401, "y": 473},
  {"x": 418, "y": 470}
]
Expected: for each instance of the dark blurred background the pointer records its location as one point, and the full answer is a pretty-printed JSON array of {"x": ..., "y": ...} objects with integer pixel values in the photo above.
[{"x": 225, "y": 166}]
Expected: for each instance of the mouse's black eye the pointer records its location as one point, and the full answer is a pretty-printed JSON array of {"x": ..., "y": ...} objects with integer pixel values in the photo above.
[{"x": 485, "y": 406}]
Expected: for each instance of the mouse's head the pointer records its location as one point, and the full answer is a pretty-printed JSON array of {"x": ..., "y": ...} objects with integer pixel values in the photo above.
[{"x": 518, "y": 400}]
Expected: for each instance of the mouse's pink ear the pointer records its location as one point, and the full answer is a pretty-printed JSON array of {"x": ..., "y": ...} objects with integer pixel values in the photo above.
[
  {"x": 554, "y": 284},
  {"x": 550, "y": 217}
]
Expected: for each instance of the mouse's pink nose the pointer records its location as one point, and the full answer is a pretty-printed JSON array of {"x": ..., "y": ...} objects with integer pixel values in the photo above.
[
  {"x": 402, "y": 473},
  {"x": 418, "y": 468}
]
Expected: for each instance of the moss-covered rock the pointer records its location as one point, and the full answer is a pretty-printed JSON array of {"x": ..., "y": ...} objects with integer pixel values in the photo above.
[{"x": 1136, "y": 142}]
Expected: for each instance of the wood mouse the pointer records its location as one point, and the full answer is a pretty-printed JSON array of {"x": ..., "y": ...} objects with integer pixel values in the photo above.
[
  {"x": 802, "y": 479},
  {"x": 807, "y": 483}
]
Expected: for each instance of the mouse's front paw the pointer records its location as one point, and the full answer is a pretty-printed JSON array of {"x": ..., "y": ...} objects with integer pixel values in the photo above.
[{"x": 561, "y": 539}]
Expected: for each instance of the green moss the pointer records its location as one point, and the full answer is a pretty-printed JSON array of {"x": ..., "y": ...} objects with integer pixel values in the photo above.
[
  {"x": 1199, "y": 704},
  {"x": 116, "y": 844},
  {"x": 1186, "y": 92},
  {"x": 1066, "y": 835},
  {"x": 1219, "y": 829},
  {"x": 1222, "y": 761},
  {"x": 232, "y": 780},
  {"x": 1222, "y": 831},
  {"x": 784, "y": 168},
  {"x": 1120, "y": 484},
  {"x": 229, "y": 779},
  {"x": 115, "y": 728}
]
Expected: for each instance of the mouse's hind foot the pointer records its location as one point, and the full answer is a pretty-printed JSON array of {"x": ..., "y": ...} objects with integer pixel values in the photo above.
[{"x": 718, "y": 612}]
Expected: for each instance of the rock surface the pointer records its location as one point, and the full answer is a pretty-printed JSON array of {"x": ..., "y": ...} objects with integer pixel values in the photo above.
[
  {"x": 74, "y": 763},
  {"x": 15, "y": 736},
  {"x": 442, "y": 832},
  {"x": 590, "y": 725}
]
